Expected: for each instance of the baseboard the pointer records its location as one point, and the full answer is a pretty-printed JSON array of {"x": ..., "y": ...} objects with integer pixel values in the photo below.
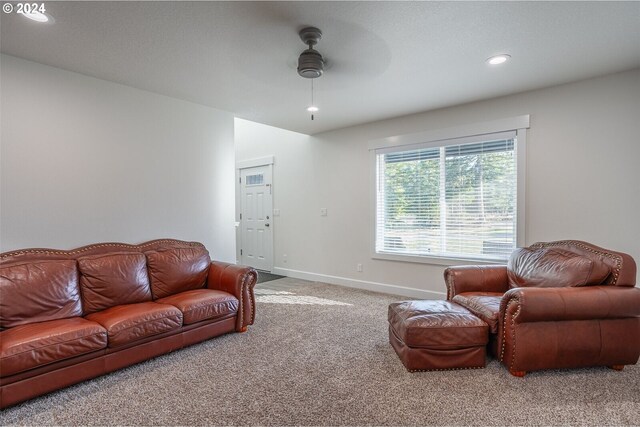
[{"x": 360, "y": 284}]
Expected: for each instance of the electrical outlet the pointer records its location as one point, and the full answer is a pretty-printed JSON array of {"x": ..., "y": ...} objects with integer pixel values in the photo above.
[
  {"x": 323, "y": 211},
  {"x": 359, "y": 268},
  {"x": 284, "y": 258}
]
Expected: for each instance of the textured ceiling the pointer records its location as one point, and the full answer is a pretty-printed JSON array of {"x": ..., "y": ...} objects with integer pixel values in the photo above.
[{"x": 385, "y": 59}]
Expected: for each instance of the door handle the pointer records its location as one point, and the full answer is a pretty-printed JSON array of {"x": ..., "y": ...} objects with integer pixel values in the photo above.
[{"x": 267, "y": 224}]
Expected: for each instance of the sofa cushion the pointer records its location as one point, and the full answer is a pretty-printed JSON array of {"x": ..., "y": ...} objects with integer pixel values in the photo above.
[
  {"x": 177, "y": 269},
  {"x": 485, "y": 305},
  {"x": 133, "y": 322},
  {"x": 202, "y": 304},
  {"x": 38, "y": 292},
  {"x": 552, "y": 267},
  {"x": 113, "y": 279},
  {"x": 30, "y": 346}
]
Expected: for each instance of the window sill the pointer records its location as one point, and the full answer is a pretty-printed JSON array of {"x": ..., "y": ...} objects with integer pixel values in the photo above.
[{"x": 434, "y": 260}]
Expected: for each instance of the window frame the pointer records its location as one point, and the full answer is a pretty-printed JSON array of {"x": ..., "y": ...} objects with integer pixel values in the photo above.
[{"x": 440, "y": 138}]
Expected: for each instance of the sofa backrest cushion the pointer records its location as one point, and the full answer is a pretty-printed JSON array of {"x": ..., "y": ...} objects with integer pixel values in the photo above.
[
  {"x": 176, "y": 270},
  {"x": 113, "y": 279},
  {"x": 553, "y": 267},
  {"x": 33, "y": 292}
]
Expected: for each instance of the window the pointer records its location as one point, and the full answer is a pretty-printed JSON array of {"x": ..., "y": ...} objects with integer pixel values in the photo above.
[
  {"x": 453, "y": 199},
  {"x": 257, "y": 179}
]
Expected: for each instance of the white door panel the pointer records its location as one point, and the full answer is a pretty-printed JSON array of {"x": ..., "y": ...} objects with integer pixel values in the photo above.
[{"x": 256, "y": 217}]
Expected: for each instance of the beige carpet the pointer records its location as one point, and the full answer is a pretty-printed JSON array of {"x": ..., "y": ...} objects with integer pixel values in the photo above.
[{"x": 318, "y": 355}]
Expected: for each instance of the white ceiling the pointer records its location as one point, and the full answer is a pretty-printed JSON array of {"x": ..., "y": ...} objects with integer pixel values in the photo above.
[{"x": 385, "y": 59}]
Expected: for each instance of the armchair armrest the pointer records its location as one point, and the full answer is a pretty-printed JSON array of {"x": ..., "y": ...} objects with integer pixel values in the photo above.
[
  {"x": 239, "y": 281},
  {"x": 541, "y": 326},
  {"x": 476, "y": 278},
  {"x": 575, "y": 303}
]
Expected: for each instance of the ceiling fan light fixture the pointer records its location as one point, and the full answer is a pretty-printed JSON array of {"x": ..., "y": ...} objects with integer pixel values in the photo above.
[
  {"x": 498, "y": 59},
  {"x": 35, "y": 15},
  {"x": 312, "y": 109}
]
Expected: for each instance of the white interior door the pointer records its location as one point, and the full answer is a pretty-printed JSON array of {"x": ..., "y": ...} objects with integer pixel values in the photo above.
[{"x": 256, "y": 206}]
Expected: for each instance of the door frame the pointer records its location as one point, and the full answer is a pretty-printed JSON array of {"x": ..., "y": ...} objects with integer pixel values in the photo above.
[{"x": 246, "y": 164}]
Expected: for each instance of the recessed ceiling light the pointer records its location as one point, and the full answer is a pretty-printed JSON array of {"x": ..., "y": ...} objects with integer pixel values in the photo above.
[
  {"x": 312, "y": 109},
  {"x": 499, "y": 59},
  {"x": 36, "y": 16}
]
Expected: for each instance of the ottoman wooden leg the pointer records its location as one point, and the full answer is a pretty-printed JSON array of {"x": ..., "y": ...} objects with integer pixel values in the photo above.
[
  {"x": 617, "y": 367},
  {"x": 518, "y": 374}
]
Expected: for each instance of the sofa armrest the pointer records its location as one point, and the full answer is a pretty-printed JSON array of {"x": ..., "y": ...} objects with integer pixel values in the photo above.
[
  {"x": 239, "y": 281},
  {"x": 476, "y": 278},
  {"x": 571, "y": 303}
]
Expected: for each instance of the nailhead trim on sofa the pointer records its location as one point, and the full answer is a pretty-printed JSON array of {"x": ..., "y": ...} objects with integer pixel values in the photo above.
[{"x": 101, "y": 245}]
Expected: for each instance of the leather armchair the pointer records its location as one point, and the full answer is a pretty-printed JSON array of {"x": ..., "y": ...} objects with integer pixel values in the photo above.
[{"x": 555, "y": 305}]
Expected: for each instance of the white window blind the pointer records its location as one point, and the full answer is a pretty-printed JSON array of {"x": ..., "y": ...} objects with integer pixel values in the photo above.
[{"x": 455, "y": 200}]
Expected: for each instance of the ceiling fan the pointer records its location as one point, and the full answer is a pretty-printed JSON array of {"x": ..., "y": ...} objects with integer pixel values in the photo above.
[{"x": 310, "y": 62}]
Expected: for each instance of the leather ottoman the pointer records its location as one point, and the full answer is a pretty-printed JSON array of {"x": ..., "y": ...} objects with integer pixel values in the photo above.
[{"x": 432, "y": 335}]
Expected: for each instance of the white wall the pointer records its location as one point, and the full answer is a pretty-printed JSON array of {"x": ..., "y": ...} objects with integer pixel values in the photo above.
[
  {"x": 583, "y": 180},
  {"x": 85, "y": 160}
]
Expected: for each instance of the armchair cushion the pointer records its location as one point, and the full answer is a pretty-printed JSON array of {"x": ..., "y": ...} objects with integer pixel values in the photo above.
[
  {"x": 485, "y": 305},
  {"x": 553, "y": 267}
]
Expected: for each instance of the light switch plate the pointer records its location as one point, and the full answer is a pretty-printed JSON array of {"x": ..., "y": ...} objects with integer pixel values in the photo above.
[
  {"x": 276, "y": 212},
  {"x": 323, "y": 211}
]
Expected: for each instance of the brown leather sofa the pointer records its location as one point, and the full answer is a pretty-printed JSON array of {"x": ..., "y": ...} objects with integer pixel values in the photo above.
[
  {"x": 67, "y": 316},
  {"x": 560, "y": 304}
]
